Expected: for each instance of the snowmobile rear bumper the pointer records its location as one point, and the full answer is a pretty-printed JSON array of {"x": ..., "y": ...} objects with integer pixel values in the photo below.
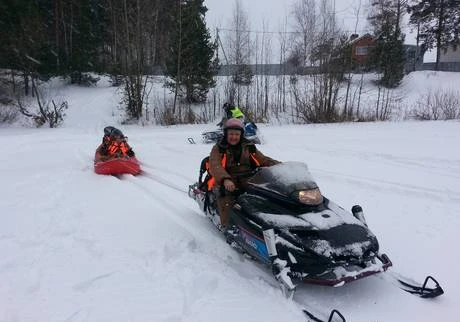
[
  {"x": 341, "y": 276},
  {"x": 212, "y": 136}
]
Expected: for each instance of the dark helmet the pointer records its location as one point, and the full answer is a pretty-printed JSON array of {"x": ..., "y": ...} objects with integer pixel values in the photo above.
[
  {"x": 227, "y": 106},
  {"x": 112, "y": 132},
  {"x": 234, "y": 124}
]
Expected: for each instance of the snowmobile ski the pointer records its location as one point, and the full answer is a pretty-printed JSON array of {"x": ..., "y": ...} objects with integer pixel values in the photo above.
[
  {"x": 423, "y": 290},
  {"x": 335, "y": 315}
]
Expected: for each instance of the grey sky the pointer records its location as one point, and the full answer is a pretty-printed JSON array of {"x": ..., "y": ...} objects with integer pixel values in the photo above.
[{"x": 274, "y": 12}]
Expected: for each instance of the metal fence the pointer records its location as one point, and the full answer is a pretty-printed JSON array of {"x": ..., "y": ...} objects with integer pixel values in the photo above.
[
  {"x": 268, "y": 69},
  {"x": 445, "y": 67},
  {"x": 288, "y": 69}
]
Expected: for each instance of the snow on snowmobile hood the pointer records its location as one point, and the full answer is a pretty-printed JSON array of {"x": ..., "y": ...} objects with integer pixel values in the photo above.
[
  {"x": 284, "y": 178},
  {"x": 322, "y": 220},
  {"x": 330, "y": 232},
  {"x": 287, "y": 178}
]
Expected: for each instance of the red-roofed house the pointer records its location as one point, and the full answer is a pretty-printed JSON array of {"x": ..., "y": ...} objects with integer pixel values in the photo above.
[{"x": 361, "y": 48}]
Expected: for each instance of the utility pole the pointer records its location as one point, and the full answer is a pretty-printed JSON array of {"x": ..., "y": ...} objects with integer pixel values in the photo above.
[
  {"x": 221, "y": 46},
  {"x": 179, "y": 50},
  {"x": 56, "y": 26},
  {"x": 333, "y": 19},
  {"x": 439, "y": 33},
  {"x": 417, "y": 53}
]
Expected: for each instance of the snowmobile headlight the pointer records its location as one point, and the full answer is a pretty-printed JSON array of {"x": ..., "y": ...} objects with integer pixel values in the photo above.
[{"x": 311, "y": 197}]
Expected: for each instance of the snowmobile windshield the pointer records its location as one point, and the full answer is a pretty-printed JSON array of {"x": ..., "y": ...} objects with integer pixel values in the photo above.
[{"x": 284, "y": 178}]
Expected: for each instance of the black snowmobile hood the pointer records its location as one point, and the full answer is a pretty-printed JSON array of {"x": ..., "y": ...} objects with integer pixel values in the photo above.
[
  {"x": 271, "y": 214},
  {"x": 325, "y": 229},
  {"x": 283, "y": 179},
  {"x": 328, "y": 230}
]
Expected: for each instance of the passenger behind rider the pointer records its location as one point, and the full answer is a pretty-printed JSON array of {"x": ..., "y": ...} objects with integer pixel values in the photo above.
[{"x": 231, "y": 112}]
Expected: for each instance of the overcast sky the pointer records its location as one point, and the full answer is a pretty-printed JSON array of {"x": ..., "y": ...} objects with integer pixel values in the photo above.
[{"x": 275, "y": 12}]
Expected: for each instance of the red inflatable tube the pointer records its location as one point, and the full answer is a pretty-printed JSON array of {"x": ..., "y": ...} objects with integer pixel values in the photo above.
[{"x": 118, "y": 166}]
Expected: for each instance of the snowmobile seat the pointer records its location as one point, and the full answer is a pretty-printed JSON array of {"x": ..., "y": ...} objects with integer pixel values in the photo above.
[
  {"x": 208, "y": 183},
  {"x": 204, "y": 169}
]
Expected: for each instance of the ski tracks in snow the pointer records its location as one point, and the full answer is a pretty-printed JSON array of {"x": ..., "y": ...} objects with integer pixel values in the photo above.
[
  {"x": 258, "y": 274},
  {"x": 80, "y": 247},
  {"x": 393, "y": 187}
]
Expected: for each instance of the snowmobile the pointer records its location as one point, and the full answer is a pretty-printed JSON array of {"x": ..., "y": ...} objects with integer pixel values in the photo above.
[
  {"x": 284, "y": 221},
  {"x": 251, "y": 133}
]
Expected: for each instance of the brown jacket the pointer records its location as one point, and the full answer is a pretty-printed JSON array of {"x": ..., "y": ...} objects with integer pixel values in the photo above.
[{"x": 236, "y": 168}]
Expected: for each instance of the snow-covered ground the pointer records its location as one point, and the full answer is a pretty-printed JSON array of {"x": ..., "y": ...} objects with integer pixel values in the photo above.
[
  {"x": 85, "y": 104},
  {"x": 75, "y": 246}
]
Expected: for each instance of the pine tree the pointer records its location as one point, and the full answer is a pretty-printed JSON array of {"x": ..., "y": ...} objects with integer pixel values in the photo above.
[
  {"x": 387, "y": 56},
  {"x": 438, "y": 22},
  {"x": 192, "y": 63},
  {"x": 24, "y": 46},
  {"x": 78, "y": 37},
  {"x": 87, "y": 37}
]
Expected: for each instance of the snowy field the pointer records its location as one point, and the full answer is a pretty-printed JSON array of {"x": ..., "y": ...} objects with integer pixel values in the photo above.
[{"x": 78, "y": 247}]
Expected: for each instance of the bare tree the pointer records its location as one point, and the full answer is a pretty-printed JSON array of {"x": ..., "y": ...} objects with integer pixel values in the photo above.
[
  {"x": 239, "y": 51},
  {"x": 47, "y": 110},
  {"x": 348, "y": 108},
  {"x": 304, "y": 13},
  {"x": 437, "y": 105},
  {"x": 317, "y": 97},
  {"x": 281, "y": 86}
]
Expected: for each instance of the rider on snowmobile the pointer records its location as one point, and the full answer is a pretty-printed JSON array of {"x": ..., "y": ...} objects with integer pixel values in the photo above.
[
  {"x": 114, "y": 145},
  {"x": 231, "y": 112},
  {"x": 232, "y": 163}
]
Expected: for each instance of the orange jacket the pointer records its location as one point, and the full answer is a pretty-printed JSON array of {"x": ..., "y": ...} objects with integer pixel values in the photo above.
[{"x": 113, "y": 149}]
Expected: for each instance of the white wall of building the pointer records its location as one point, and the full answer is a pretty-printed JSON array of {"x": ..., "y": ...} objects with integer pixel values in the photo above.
[{"x": 450, "y": 56}]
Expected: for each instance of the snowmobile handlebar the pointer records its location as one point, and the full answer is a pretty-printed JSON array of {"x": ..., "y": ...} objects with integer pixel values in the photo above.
[{"x": 225, "y": 192}]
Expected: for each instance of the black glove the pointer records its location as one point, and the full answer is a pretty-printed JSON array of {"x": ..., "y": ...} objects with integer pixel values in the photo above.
[{"x": 131, "y": 153}]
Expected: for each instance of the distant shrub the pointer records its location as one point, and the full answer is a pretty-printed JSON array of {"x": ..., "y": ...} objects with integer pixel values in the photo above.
[
  {"x": 8, "y": 114},
  {"x": 437, "y": 105},
  {"x": 116, "y": 80},
  {"x": 83, "y": 79}
]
